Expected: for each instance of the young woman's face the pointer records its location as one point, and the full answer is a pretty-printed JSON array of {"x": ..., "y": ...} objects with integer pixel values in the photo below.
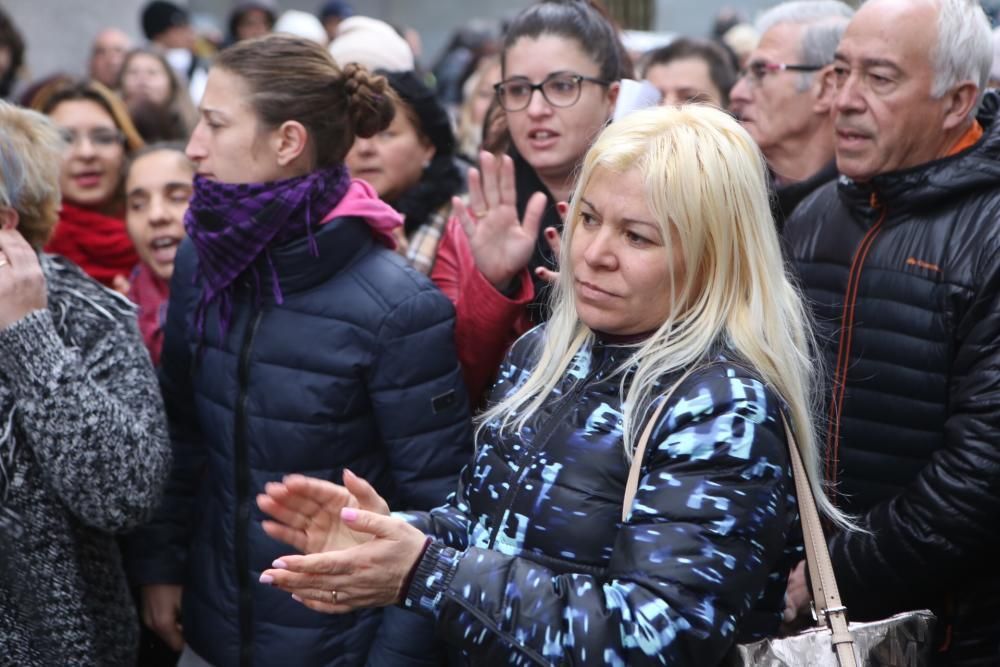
[
  {"x": 157, "y": 192},
  {"x": 253, "y": 23},
  {"x": 393, "y": 160},
  {"x": 94, "y": 153},
  {"x": 553, "y": 140},
  {"x": 144, "y": 78},
  {"x": 620, "y": 263},
  {"x": 228, "y": 144}
]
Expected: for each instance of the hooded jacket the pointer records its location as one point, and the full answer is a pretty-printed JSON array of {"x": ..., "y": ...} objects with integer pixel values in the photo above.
[
  {"x": 356, "y": 369},
  {"x": 904, "y": 278}
]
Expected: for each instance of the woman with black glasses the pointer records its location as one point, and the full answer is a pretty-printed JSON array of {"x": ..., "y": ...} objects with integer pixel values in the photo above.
[
  {"x": 98, "y": 137},
  {"x": 561, "y": 64}
]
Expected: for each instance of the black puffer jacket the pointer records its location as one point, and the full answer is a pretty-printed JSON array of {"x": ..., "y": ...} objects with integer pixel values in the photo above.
[
  {"x": 356, "y": 369},
  {"x": 533, "y": 565},
  {"x": 904, "y": 277}
]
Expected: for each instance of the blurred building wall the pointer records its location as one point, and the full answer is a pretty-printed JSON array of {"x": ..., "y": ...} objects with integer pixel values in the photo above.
[{"x": 59, "y": 32}]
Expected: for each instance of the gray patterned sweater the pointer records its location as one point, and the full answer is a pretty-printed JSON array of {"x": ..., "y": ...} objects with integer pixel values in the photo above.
[{"x": 84, "y": 455}]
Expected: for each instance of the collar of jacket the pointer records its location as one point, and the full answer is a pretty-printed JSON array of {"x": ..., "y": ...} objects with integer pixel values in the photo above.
[
  {"x": 787, "y": 197},
  {"x": 932, "y": 184},
  {"x": 528, "y": 183},
  {"x": 340, "y": 242}
]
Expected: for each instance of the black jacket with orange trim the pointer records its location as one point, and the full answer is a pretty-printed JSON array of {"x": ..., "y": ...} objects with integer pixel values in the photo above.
[{"x": 903, "y": 275}]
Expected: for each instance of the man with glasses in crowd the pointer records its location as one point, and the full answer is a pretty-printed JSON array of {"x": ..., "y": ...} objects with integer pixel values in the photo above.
[
  {"x": 900, "y": 260},
  {"x": 784, "y": 95}
]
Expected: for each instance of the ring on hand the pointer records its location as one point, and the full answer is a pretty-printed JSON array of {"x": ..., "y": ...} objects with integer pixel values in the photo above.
[
  {"x": 333, "y": 595},
  {"x": 479, "y": 214}
]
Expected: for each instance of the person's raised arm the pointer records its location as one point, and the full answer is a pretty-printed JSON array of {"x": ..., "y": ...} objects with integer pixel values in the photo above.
[
  {"x": 86, "y": 406},
  {"x": 482, "y": 267}
]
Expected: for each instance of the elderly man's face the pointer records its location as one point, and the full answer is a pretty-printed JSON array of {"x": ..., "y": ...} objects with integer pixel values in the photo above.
[
  {"x": 773, "y": 106},
  {"x": 107, "y": 56},
  {"x": 884, "y": 114}
]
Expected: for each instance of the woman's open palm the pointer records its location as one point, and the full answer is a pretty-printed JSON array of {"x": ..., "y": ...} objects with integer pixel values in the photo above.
[
  {"x": 501, "y": 245},
  {"x": 307, "y": 511}
]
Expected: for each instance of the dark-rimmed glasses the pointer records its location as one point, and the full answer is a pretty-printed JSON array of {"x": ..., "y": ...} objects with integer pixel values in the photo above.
[
  {"x": 759, "y": 69},
  {"x": 560, "y": 89}
]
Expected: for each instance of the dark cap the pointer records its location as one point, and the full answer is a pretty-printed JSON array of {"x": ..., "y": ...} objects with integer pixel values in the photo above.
[
  {"x": 160, "y": 16},
  {"x": 337, "y": 8},
  {"x": 434, "y": 120}
]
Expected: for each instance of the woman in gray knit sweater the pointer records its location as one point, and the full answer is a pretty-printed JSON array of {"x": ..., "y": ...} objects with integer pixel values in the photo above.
[{"x": 83, "y": 446}]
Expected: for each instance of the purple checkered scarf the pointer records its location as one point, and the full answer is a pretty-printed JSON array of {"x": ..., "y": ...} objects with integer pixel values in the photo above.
[{"x": 233, "y": 224}]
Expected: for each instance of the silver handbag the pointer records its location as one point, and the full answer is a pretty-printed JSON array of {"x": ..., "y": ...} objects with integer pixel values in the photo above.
[{"x": 904, "y": 640}]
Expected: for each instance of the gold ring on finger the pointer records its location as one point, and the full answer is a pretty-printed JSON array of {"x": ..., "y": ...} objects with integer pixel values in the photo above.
[{"x": 333, "y": 595}]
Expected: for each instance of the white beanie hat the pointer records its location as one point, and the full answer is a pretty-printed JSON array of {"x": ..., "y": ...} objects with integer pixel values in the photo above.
[
  {"x": 302, "y": 24},
  {"x": 372, "y": 43}
]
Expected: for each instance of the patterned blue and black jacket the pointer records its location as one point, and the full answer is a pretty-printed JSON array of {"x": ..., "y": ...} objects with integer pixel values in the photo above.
[{"x": 531, "y": 563}]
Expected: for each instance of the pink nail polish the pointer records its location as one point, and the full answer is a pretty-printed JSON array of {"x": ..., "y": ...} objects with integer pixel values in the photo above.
[
  {"x": 279, "y": 565},
  {"x": 296, "y": 597},
  {"x": 266, "y": 579},
  {"x": 348, "y": 514}
]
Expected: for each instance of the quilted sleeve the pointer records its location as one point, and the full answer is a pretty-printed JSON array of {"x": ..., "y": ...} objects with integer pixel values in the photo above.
[{"x": 420, "y": 403}]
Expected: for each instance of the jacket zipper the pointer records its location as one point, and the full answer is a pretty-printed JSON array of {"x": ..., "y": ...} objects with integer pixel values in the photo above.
[
  {"x": 529, "y": 454},
  {"x": 242, "y": 477},
  {"x": 844, "y": 348}
]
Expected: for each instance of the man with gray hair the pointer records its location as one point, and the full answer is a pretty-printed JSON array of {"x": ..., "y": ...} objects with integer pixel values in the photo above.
[
  {"x": 783, "y": 97},
  {"x": 900, "y": 260}
]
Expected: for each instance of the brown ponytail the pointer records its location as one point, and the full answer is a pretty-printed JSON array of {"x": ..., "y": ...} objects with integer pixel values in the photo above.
[{"x": 290, "y": 78}]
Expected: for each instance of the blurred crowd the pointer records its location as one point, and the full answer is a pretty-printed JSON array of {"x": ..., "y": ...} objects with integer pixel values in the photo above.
[{"x": 262, "y": 285}]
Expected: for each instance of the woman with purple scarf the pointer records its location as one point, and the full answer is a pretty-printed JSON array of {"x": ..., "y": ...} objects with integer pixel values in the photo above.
[{"x": 296, "y": 341}]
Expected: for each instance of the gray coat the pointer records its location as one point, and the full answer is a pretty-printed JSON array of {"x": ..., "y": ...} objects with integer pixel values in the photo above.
[{"x": 84, "y": 455}]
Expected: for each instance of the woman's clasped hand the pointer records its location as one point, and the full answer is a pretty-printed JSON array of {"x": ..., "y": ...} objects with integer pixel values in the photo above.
[{"x": 360, "y": 556}]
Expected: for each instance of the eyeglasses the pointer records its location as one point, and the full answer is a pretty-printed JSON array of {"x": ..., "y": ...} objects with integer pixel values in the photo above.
[
  {"x": 759, "y": 69},
  {"x": 559, "y": 89},
  {"x": 102, "y": 137}
]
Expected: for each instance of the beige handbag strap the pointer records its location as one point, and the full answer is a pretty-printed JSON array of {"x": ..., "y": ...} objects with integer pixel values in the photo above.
[
  {"x": 632, "y": 483},
  {"x": 826, "y": 596},
  {"x": 824, "y": 584}
]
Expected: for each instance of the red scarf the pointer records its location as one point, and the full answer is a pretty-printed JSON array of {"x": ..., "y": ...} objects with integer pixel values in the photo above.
[
  {"x": 151, "y": 294},
  {"x": 96, "y": 242}
]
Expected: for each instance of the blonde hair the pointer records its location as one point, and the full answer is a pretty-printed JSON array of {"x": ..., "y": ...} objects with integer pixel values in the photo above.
[
  {"x": 470, "y": 133},
  {"x": 706, "y": 184},
  {"x": 30, "y": 161}
]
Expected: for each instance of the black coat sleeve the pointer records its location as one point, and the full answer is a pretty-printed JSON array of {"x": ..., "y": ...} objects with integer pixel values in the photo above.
[{"x": 157, "y": 553}]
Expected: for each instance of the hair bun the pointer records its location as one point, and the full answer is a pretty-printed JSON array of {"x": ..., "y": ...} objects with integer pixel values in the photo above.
[{"x": 369, "y": 100}]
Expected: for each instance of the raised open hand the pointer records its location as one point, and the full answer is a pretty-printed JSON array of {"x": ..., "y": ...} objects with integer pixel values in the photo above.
[
  {"x": 307, "y": 511},
  {"x": 501, "y": 244}
]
